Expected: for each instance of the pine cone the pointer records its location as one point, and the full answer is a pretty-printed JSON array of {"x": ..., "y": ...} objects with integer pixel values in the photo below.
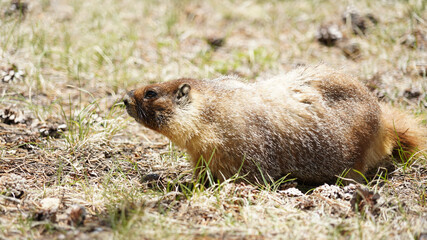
[
  {"x": 17, "y": 6},
  {"x": 52, "y": 130},
  {"x": 11, "y": 116},
  {"x": 76, "y": 215},
  {"x": 329, "y": 34},
  {"x": 359, "y": 23},
  {"x": 417, "y": 39},
  {"x": 352, "y": 50},
  {"x": 12, "y": 74}
]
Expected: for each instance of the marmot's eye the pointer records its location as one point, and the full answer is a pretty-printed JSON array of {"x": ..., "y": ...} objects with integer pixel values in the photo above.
[{"x": 150, "y": 94}]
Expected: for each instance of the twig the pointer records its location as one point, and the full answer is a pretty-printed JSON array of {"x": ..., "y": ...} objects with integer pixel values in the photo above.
[{"x": 10, "y": 199}]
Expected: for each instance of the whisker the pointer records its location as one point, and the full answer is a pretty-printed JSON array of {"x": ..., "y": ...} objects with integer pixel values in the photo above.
[{"x": 141, "y": 112}]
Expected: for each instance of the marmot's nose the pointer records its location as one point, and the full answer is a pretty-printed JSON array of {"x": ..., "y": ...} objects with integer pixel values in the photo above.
[
  {"x": 128, "y": 97},
  {"x": 126, "y": 100}
]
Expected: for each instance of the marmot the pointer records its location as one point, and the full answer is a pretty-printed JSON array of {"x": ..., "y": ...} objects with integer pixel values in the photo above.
[{"x": 312, "y": 123}]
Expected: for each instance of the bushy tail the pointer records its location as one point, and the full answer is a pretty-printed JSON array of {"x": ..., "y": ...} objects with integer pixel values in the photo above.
[{"x": 408, "y": 134}]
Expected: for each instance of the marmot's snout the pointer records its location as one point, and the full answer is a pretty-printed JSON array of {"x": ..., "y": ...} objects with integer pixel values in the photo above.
[
  {"x": 128, "y": 98},
  {"x": 129, "y": 102}
]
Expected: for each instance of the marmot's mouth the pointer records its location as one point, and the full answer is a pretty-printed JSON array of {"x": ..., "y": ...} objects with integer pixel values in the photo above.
[
  {"x": 130, "y": 106},
  {"x": 131, "y": 111},
  {"x": 136, "y": 113}
]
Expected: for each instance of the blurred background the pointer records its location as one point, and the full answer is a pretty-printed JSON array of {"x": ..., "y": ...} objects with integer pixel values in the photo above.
[{"x": 106, "y": 47}]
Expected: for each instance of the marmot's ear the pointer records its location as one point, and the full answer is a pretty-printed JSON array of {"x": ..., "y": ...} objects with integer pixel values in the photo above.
[{"x": 183, "y": 92}]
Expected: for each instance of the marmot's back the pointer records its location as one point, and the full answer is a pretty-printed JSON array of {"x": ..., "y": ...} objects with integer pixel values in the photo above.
[{"x": 312, "y": 123}]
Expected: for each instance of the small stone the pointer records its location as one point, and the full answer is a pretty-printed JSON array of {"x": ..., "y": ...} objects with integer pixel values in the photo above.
[
  {"x": 50, "y": 204},
  {"x": 330, "y": 191},
  {"x": 292, "y": 192},
  {"x": 7, "y": 78}
]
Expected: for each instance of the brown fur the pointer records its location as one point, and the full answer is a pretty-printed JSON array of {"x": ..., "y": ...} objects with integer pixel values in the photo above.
[{"x": 312, "y": 123}]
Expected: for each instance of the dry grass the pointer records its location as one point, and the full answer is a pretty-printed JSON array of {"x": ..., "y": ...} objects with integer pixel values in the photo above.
[{"x": 64, "y": 141}]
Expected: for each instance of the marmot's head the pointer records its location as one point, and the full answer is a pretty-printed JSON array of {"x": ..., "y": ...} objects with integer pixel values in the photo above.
[{"x": 154, "y": 105}]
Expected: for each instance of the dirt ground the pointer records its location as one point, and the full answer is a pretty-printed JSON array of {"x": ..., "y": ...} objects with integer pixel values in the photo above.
[{"x": 73, "y": 165}]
